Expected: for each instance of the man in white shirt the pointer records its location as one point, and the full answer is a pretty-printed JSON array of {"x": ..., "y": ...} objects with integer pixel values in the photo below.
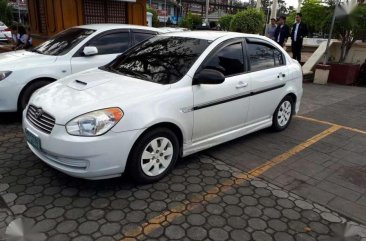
[{"x": 298, "y": 32}]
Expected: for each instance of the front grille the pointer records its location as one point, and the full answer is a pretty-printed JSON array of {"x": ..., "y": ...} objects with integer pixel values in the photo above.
[{"x": 40, "y": 119}]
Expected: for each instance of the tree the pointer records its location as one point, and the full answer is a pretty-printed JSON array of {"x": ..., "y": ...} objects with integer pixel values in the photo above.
[
  {"x": 349, "y": 29},
  {"x": 282, "y": 8},
  {"x": 290, "y": 19},
  {"x": 190, "y": 21},
  {"x": 225, "y": 22},
  {"x": 250, "y": 20},
  {"x": 155, "y": 19},
  {"x": 6, "y": 13},
  {"x": 315, "y": 15}
]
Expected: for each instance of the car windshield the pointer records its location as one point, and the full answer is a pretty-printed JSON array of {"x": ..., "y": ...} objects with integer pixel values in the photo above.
[
  {"x": 161, "y": 59},
  {"x": 63, "y": 42}
]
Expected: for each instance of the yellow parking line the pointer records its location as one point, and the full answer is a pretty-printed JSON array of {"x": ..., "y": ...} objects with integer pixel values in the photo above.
[
  {"x": 184, "y": 207},
  {"x": 330, "y": 123}
]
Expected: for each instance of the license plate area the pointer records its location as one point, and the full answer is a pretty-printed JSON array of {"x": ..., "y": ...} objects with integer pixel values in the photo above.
[{"x": 33, "y": 139}]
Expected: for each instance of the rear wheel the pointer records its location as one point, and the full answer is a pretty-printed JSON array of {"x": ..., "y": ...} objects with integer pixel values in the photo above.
[
  {"x": 283, "y": 114},
  {"x": 153, "y": 156},
  {"x": 27, "y": 93}
]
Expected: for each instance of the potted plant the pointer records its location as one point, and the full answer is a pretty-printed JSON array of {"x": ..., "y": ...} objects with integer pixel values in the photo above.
[{"x": 349, "y": 29}]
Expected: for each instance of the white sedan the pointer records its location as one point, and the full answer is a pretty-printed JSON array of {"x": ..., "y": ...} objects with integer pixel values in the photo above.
[
  {"x": 5, "y": 32},
  {"x": 71, "y": 51},
  {"x": 168, "y": 97}
]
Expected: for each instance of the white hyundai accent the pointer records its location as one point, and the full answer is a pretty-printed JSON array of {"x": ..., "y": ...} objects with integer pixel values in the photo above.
[
  {"x": 71, "y": 51},
  {"x": 168, "y": 97}
]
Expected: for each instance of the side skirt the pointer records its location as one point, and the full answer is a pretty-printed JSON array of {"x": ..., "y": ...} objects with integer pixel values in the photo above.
[{"x": 194, "y": 147}]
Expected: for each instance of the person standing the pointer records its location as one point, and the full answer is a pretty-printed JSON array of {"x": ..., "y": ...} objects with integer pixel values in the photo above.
[
  {"x": 298, "y": 32},
  {"x": 282, "y": 32},
  {"x": 271, "y": 29}
]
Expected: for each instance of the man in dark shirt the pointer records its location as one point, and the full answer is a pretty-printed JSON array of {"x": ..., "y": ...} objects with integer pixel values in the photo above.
[
  {"x": 298, "y": 32},
  {"x": 282, "y": 31}
]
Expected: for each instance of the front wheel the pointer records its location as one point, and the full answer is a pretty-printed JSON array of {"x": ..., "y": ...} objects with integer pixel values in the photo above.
[
  {"x": 153, "y": 156},
  {"x": 283, "y": 114}
]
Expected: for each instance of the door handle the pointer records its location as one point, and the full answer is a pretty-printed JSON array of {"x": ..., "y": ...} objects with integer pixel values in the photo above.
[
  {"x": 241, "y": 85},
  {"x": 281, "y": 75}
]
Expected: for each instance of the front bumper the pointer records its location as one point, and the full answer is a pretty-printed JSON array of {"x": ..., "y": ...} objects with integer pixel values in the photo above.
[
  {"x": 9, "y": 93},
  {"x": 84, "y": 157}
]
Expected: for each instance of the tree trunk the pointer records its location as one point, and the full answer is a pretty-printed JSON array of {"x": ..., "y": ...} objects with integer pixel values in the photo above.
[
  {"x": 347, "y": 42},
  {"x": 343, "y": 46}
]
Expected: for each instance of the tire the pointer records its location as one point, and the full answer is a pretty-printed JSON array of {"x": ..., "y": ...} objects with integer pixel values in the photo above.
[
  {"x": 153, "y": 155},
  {"x": 283, "y": 114},
  {"x": 28, "y": 91}
]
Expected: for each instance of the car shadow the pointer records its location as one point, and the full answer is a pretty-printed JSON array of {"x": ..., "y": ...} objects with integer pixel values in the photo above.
[{"x": 10, "y": 118}]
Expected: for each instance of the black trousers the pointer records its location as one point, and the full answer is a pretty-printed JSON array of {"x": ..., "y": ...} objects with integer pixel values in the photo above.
[{"x": 296, "y": 50}]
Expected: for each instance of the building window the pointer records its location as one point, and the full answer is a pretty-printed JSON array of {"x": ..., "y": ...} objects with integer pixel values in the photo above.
[{"x": 105, "y": 11}]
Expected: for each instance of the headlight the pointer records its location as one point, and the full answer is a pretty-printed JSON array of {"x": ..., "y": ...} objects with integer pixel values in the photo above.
[
  {"x": 4, "y": 74},
  {"x": 95, "y": 123}
]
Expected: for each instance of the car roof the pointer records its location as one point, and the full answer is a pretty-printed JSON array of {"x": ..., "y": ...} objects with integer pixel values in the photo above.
[
  {"x": 111, "y": 26},
  {"x": 208, "y": 35}
]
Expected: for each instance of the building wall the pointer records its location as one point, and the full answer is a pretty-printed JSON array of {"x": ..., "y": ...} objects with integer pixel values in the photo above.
[
  {"x": 356, "y": 55},
  {"x": 48, "y": 17}
]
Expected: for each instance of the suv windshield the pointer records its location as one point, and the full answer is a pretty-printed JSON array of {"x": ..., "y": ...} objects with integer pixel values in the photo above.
[
  {"x": 161, "y": 59},
  {"x": 63, "y": 42}
]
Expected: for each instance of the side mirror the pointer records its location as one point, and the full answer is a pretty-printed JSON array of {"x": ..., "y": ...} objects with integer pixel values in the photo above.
[
  {"x": 90, "y": 50},
  {"x": 208, "y": 77}
]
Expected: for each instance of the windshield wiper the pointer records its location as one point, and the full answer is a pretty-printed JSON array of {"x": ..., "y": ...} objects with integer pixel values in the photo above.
[
  {"x": 109, "y": 69},
  {"x": 123, "y": 71},
  {"x": 36, "y": 51},
  {"x": 132, "y": 73}
]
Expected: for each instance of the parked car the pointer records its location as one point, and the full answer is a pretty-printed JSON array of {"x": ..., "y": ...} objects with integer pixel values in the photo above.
[
  {"x": 71, "y": 51},
  {"x": 5, "y": 32},
  {"x": 168, "y": 97}
]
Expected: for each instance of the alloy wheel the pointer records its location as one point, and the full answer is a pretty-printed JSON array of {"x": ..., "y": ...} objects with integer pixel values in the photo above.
[
  {"x": 284, "y": 113},
  {"x": 157, "y": 156}
]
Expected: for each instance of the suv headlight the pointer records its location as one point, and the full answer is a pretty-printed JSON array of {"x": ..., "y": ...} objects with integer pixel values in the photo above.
[
  {"x": 4, "y": 74},
  {"x": 94, "y": 123}
]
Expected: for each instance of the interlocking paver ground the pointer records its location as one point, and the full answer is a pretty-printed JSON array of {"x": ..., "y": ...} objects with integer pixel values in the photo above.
[{"x": 326, "y": 176}]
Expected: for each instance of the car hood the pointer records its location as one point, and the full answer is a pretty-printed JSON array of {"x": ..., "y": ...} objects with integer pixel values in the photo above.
[
  {"x": 22, "y": 59},
  {"x": 92, "y": 90}
]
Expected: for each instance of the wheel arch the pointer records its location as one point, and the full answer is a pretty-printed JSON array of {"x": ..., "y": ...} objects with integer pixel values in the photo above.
[
  {"x": 169, "y": 125},
  {"x": 29, "y": 84},
  {"x": 293, "y": 96}
]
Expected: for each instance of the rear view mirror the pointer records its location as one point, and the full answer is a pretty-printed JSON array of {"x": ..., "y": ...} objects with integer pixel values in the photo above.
[
  {"x": 90, "y": 51},
  {"x": 209, "y": 77}
]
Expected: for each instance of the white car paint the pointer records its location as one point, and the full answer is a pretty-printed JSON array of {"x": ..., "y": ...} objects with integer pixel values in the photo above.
[
  {"x": 146, "y": 104},
  {"x": 29, "y": 66},
  {"x": 5, "y": 33}
]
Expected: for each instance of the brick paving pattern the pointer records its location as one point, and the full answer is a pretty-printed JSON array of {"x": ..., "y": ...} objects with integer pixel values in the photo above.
[{"x": 206, "y": 197}]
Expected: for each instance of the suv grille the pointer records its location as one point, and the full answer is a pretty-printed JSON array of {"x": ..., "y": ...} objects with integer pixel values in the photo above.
[{"x": 40, "y": 119}]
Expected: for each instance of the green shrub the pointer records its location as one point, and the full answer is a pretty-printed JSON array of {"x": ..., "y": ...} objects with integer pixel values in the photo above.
[
  {"x": 190, "y": 21},
  {"x": 225, "y": 21},
  {"x": 6, "y": 15},
  {"x": 155, "y": 19},
  {"x": 250, "y": 20}
]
